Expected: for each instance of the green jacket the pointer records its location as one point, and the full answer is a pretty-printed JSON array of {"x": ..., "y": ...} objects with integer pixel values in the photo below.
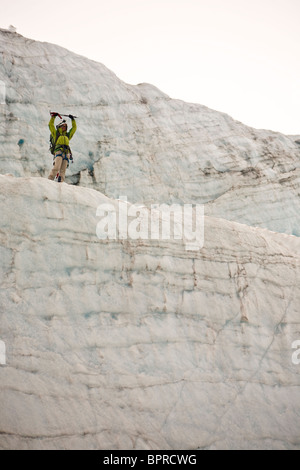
[{"x": 64, "y": 138}]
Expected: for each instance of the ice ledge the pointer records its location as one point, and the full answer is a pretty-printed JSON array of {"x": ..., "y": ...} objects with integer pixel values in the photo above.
[
  {"x": 137, "y": 344},
  {"x": 33, "y": 186}
]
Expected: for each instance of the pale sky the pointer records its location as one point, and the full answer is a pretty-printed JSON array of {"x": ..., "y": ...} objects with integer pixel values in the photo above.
[{"x": 240, "y": 57}]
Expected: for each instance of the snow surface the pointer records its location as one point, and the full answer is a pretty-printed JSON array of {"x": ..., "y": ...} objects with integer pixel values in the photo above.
[
  {"x": 136, "y": 141},
  {"x": 142, "y": 344}
]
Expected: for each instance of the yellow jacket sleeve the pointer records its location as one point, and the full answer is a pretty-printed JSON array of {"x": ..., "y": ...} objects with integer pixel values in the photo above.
[
  {"x": 52, "y": 127},
  {"x": 73, "y": 129}
]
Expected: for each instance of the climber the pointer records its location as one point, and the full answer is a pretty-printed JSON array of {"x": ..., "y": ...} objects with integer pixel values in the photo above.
[{"x": 62, "y": 151}]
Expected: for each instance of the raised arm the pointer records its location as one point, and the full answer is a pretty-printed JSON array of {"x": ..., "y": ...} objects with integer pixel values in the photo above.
[
  {"x": 73, "y": 128},
  {"x": 52, "y": 127}
]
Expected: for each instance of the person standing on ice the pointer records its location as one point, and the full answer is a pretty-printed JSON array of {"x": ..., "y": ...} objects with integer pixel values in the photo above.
[{"x": 62, "y": 154}]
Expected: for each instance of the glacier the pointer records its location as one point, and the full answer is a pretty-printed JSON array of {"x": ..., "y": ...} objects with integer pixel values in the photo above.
[
  {"x": 142, "y": 344},
  {"x": 138, "y": 142}
]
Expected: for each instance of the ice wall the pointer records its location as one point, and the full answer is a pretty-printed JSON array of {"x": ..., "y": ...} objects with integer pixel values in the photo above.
[
  {"x": 136, "y": 344},
  {"x": 138, "y": 142}
]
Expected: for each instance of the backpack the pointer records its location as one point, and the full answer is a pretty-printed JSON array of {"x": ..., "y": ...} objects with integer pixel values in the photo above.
[{"x": 53, "y": 143}]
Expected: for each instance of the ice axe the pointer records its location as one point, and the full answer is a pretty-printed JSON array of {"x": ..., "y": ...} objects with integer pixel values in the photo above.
[{"x": 65, "y": 115}]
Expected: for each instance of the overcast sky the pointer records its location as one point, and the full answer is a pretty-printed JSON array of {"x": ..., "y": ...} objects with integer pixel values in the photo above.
[{"x": 240, "y": 57}]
